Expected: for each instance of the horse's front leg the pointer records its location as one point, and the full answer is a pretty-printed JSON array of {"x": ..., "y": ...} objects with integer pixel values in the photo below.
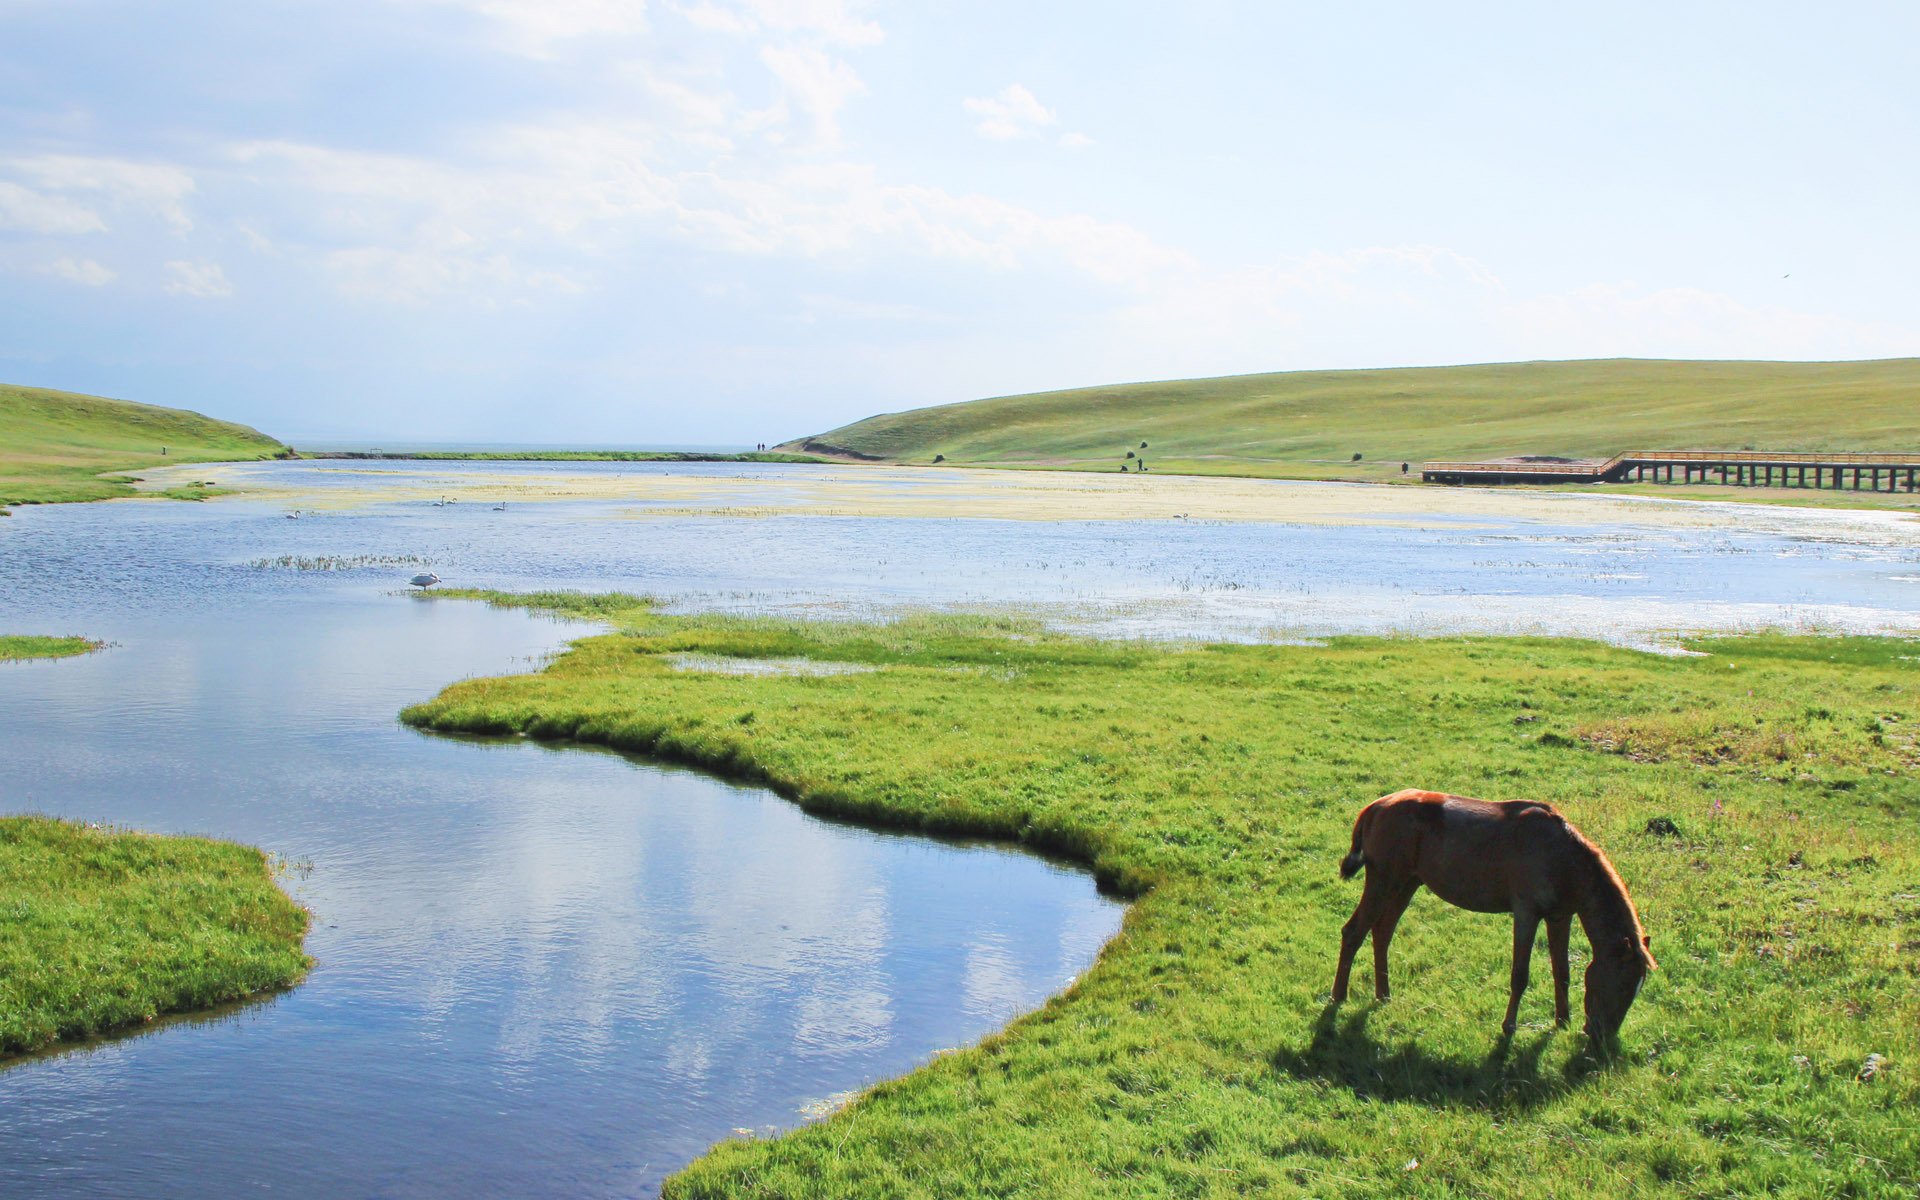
[
  {"x": 1525, "y": 924},
  {"x": 1557, "y": 929}
]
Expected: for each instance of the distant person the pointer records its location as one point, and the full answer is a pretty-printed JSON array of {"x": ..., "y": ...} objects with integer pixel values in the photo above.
[{"x": 1403, "y": 468}]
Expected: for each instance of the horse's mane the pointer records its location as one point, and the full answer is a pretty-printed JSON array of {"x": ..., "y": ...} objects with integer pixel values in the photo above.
[{"x": 1613, "y": 891}]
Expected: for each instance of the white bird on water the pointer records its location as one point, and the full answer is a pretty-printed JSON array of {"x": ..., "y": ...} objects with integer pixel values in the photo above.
[{"x": 424, "y": 581}]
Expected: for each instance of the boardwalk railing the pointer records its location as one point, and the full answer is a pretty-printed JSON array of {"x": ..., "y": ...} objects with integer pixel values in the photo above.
[{"x": 1743, "y": 468}]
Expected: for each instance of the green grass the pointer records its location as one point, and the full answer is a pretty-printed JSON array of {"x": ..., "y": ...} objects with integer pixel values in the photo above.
[
  {"x": 60, "y": 446},
  {"x": 14, "y": 646},
  {"x": 1309, "y": 424},
  {"x": 101, "y": 929},
  {"x": 1217, "y": 784}
]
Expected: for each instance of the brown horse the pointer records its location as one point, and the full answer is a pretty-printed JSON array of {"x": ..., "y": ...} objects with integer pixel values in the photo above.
[{"x": 1514, "y": 856}]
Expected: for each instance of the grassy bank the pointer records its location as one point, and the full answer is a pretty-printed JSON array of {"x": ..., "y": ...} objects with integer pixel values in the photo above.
[
  {"x": 107, "y": 928},
  {"x": 57, "y": 446},
  {"x": 1310, "y": 424},
  {"x": 14, "y": 647},
  {"x": 1218, "y": 784}
]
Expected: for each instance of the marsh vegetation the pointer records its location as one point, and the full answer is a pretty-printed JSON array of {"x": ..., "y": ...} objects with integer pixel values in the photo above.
[
  {"x": 16, "y": 647},
  {"x": 105, "y": 928},
  {"x": 1758, "y": 799}
]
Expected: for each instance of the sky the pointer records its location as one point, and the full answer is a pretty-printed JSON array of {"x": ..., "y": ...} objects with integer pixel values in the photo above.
[{"x": 721, "y": 222}]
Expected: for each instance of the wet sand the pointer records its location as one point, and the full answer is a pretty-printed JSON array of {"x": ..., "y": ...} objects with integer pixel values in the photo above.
[{"x": 681, "y": 490}]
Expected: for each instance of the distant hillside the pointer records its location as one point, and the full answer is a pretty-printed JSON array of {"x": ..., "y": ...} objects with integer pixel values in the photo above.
[
  {"x": 1311, "y": 423},
  {"x": 54, "y": 446}
]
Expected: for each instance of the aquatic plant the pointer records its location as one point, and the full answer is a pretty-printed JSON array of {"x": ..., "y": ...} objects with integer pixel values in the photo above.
[
  {"x": 15, "y": 647},
  {"x": 334, "y": 562}
]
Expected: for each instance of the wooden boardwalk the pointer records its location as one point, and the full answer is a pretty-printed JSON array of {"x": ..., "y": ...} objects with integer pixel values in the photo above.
[{"x": 1736, "y": 468}]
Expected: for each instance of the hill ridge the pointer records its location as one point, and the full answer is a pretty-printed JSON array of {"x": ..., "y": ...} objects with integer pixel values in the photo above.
[{"x": 1311, "y": 423}]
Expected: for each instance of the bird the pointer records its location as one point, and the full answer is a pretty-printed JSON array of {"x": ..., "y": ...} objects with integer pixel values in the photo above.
[
  {"x": 424, "y": 581},
  {"x": 500, "y": 507},
  {"x": 294, "y": 515}
]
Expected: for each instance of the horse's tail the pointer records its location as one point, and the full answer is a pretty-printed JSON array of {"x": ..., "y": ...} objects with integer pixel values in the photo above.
[{"x": 1351, "y": 864}]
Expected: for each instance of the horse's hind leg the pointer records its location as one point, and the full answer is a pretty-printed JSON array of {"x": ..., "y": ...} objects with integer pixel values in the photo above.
[
  {"x": 1355, "y": 930},
  {"x": 1525, "y": 926},
  {"x": 1557, "y": 928},
  {"x": 1391, "y": 906}
]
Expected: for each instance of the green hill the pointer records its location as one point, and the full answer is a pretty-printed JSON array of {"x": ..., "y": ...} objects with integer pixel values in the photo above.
[
  {"x": 1312, "y": 423},
  {"x": 55, "y": 446}
]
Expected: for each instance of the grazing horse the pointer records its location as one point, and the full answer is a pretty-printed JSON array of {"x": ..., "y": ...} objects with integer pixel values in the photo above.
[{"x": 1516, "y": 856}]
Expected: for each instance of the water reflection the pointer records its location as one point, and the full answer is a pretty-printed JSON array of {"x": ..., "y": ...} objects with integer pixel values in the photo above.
[{"x": 541, "y": 971}]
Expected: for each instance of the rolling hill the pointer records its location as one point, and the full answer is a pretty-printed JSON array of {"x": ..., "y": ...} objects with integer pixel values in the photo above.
[
  {"x": 1310, "y": 424},
  {"x": 56, "y": 446}
]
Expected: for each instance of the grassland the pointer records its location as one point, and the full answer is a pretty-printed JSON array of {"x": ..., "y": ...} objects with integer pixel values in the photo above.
[
  {"x": 61, "y": 446},
  {"x": 101, "y": 929},
  {"x": 1310, "y": 424},
  {"x": 1217, "y": 784},
  {"x": 15, "y": 647}
]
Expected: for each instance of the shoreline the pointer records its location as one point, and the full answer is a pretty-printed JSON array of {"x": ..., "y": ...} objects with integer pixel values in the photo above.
[{"x": 869, "y": 490}]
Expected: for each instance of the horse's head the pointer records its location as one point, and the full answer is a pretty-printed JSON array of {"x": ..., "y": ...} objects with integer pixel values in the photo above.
[{"x": 1614, "y": 977}]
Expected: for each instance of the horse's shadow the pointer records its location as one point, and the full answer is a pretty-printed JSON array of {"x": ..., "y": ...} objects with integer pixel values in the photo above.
[{"x": 1508, "y": 1077}]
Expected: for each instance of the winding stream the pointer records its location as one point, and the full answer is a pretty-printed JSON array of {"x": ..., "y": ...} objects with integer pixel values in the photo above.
[{"x": 540, "y": 971}]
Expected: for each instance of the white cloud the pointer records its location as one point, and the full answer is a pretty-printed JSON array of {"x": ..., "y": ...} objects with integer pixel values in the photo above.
[
  {"x": 1075, "y": 141},
  {"x": 201, "y": 279},
  {"x": 83, "y": 271},
  {"x": 161, "y": 188},
  {"x": 523, "y": 201},
  {"x": 1013, "y": 112},
  {"x": 814, "y": 84},
  {"x": 25, "y": 211},
  {"x": 537, "y": 28},
  {"x": 827, "y": 20}
]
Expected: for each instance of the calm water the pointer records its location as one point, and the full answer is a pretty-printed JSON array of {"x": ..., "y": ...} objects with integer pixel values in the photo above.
[
  {"x": 561, "y": 972},
  {"x": 541, "y": 972}
]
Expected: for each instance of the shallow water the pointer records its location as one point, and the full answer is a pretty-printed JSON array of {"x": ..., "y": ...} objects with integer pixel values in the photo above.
[
  {"x": 541, "y": 971},
  {"x": 562, "y": 972},
  {"x": 1474, "y": 561}
]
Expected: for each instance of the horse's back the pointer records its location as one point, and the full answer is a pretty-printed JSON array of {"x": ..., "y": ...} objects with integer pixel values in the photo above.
[{"x": 1484, "y": 855}]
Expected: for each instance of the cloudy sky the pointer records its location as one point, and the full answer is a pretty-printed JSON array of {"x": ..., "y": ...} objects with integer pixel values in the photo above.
[{"x": 726, "y": 221}]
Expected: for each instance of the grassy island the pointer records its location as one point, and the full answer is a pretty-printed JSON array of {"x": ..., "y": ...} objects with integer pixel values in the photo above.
[
  {"x": 15, "y": 647},
  {"x": 62, "y": 446},
  {"x": 101, "y": 929},
  {"x": 1759, "y": 800}
]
